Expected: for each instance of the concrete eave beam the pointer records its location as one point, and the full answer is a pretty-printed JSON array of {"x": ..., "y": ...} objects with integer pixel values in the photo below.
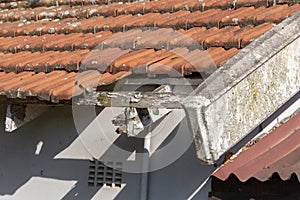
[{"x": 246, "y": 90}]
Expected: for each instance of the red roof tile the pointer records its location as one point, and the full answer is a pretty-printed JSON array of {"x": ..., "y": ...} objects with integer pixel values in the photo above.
[
  {"x": 10, "y": 4},
  {"x": 54, "y": 86},
  {"x": 278, "y": 152},
  {"x": 227, "y": 37},
  {"x": 209, "y": 18},
  {"x": 90, "y": 40}
]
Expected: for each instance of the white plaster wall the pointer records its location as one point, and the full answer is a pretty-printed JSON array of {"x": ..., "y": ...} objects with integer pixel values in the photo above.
[{"x": 54, "y": 174}]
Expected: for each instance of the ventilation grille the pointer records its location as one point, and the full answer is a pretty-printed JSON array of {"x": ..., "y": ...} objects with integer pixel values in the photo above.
[{"x": 105, "y": 174}]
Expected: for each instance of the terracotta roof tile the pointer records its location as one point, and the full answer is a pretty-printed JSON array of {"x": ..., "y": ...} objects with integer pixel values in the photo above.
[
  {"x": 64, "y": 11},
  {"x": 205, "y": 61},
  {"x": 234, "y": 17},
  {"x": 171, "y": 20},
  {"x": 156, "y": 57},
  {"x": 47, "y": 61},
  {"x": 267, "y": 16},
  {"x": 182, "y": 38},
  {"x": 8, "y": 84},
  {"x": 75, "y": 86},
  {"x": 222, "y": 58},
  {"x": 128, "y": 61},
  {"x": 46, "y": 92},
  {"x": 88, "y": 79},
  {"x": 65, "y": 93},
  {"x": 11, "y": 5},
  {"x": 87, "y": 41},
  {"x": 58, "y": 42},
  {"x": 219, "y": 39},
  {"x": 123, "y": 40},
  {"x": 217, "y": 4},
  {"x": 235, "y": 39},
  {"x": 102, "y": 59},
  {"x": 277, "y": 14},
  {"x": 54, "y": 86},
  {"x": 179, "y": 19},
  {"x": 150, "y": 39},
  {"x": 241, "y": 3},
  {"x": 202, "y": 18},
  {"x": 107, "y": 79},
  {"x": 166, "y": 65},
  {"x": 14, "y": 90},
  {"x": 47, "y": 3},
  {"x": 139, "y": 21},
  {"x": 253, "y": 33}
]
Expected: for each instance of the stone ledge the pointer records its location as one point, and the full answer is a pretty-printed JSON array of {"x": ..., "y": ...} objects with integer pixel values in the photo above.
[{"x": 246, "y": 90}]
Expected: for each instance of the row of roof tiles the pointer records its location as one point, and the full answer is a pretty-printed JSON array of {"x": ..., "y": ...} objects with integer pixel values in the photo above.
[
  {"x": 181, "y": 19},
  {"x": 174, "y": 52},
  {"x": 115, "y": 59},
  {"x": 120, "y": 8},
  {"x": 54, "y": 86},
  {"x": 228, "y": 37},
  {"x": 12, "y": 4},
  {"x": 278, "y": 152}
]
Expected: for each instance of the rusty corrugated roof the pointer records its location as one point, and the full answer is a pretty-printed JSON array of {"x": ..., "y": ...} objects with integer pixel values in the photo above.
[
  {"x": 277, "y": 152},
  {"x": 74, "y": 36}
]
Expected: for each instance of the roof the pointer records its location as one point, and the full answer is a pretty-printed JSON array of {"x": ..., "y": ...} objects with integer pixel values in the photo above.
[
  {"x": 278, "y": 152},
  {"x": 55, "y": 53}
]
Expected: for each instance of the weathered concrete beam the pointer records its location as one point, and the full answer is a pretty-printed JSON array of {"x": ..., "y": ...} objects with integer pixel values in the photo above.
[{"x": 246, "y": 90}]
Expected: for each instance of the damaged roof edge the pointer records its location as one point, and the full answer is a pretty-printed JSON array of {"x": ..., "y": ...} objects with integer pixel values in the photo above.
[{"x": 245, "y": 91}]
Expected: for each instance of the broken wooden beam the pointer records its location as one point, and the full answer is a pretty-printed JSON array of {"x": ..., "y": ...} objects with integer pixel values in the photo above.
[{"x": 133, "y": 99}]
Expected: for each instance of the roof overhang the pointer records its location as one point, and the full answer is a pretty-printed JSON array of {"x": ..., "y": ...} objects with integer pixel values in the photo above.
[
  {"x": 222, "y": 110},
  {"x": 246, "y": 90}
]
